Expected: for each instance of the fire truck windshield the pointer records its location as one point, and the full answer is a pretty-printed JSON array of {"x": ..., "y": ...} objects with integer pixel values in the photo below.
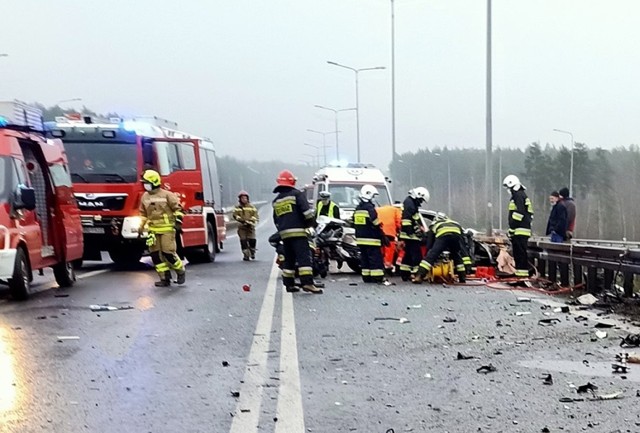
[{"x": 102, "y": 162}]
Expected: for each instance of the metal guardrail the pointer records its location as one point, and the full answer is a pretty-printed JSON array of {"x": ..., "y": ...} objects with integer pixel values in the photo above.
[{"x": 613, "y": 257}]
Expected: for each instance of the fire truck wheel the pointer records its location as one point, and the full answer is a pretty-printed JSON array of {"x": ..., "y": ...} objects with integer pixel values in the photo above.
[
  {"x": 19, "y": 284},
  {"x": 124, "y": 258},
  {"x": 65, "y": 274},
  {"x": 207, "y": 253}
]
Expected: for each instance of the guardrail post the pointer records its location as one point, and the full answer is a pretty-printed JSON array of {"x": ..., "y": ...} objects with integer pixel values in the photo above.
[
  {"x": 577, "y": 274},
  {"x": 553, "y": 271},
  {"x": 608, "y": 279},
  {"x": 542, "y": 267},
  {"x": 564, "y": 274},
  {"x": 628, "y": 285},
  {"x": 592, "y": 280}
]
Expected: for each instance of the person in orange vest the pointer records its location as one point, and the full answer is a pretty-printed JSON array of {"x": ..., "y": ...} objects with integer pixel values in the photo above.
[{"x": 390, "y": 217}]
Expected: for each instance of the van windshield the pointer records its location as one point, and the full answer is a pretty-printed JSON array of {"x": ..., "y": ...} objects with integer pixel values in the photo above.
[
  {"x": 102, "y": 162},
  {"x": 347, "y": 195}
]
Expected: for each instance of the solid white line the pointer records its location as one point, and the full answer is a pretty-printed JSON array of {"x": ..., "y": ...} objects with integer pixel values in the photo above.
[
  {"x": 256, "y": 373},
  {"x": 289, "y": 411},
  {"x": 93, "y": 273}
]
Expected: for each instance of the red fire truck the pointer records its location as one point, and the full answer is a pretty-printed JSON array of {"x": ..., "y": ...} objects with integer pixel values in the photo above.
[
  {"x": 39, "y": 219},
  {"x": 106, "y": 160}
]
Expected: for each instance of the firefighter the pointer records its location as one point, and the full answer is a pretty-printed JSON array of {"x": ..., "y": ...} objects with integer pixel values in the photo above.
[
  {"x": 411, "y": 231},
  {"x": 369, "y": 236},
  {"x": 327, "y": 207},
  {"x": 444, "y": 235},
  {"x": 162, "y": 215},
  {"x": 247, "y": 216},
  {"x": 292, "y": 216},
  {"x": 520, "y": 216},
  {"x": 390, "y": 217}
]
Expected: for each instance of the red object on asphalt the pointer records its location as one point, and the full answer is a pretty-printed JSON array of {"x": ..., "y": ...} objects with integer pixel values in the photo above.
[{"x": 246, "y": 287}]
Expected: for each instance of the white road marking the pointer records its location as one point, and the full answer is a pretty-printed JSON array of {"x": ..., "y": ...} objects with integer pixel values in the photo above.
[
  {"x": 289, "y": 411},
  {"x": 254, "y": 377},
  {"x": 93, "y": 273}
]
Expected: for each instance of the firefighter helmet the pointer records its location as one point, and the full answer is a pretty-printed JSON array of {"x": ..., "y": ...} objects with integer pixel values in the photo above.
[
  {"x": 368, "y": 192},
  {"x": 243, "y": 193},
  {"x": 420, "y": 193},
  {"x": 286, "y": 178},
  {"x": 152, "y": 177},
  {"x": 512, "y": 182}
]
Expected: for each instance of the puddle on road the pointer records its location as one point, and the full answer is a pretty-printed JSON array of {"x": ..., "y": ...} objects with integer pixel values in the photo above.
[{"x": 600, "y": 369}]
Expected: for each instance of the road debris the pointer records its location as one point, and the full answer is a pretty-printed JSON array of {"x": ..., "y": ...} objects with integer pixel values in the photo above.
[
  {"x": 449, "y": 319},
  {"x": 548, "y": 380},
  {"x": 61, "y": 295},
  {"x": 580, "y": 319},
  {"x": 225, "y": 363},
  {"x": 107, "y": 307},
  {"x": 613, "y": 396},
  {"x": 393, "y": 319},
  {"x": 604, "y": 325},
  {"x": 587, "y": 299},
  {"x": 631, "y": 340},
  {"x": 414, "y": 307},
  {"x": 235, "y": 394},
  {"x": 601, "y": 334},
  {"x": 485, "y": 369},
  {"x": 62, "y": 338},
  {"x": 246, "y": 287},
  {"x": 523, "y": 299},
  {"x": 620, "y": 367},
  {"x": 588, "y": 387},
  {"x": 563, "y": 309},
  {"x": 548, "y": 322},
  {"x": 462, "y": 357},
  {"x": 522, "y": 313}
]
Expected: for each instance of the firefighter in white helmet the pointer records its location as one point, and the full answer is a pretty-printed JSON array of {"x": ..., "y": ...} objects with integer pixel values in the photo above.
[
  {"x": 520, "y": 216},
  {"x": 369, "y": 236}
]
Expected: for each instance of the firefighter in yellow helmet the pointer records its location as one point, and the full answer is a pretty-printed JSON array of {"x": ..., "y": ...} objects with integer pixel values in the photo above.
[
  {"x": 247, "y": 216},
  {"x": 162, "y": 214}
]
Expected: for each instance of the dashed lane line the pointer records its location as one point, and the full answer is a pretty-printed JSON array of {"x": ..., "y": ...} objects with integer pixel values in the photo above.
[
  {"x": 92, "y": 273},
  {"x": 247, "y": 414},
  {"x": 289, "y": 411}
]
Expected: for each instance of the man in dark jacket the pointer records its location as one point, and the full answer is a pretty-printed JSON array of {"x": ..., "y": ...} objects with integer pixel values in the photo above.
[
  {"x": 292, "y": 216},
  {"x": 557, "y": 224},
  {"x": 570, "y": 205}
]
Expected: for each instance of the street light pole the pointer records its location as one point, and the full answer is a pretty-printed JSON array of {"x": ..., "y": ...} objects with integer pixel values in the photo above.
[
  {"x": 62, "y": 101},
  {"x": 571, "y": 169},
  {"x": 357, "y": 71},
  {"x": 393, "y": 83},
  {"x": 335, "y": 112},
  {"x": 317, "y": 148},
  {"x": 489, "y": 136},
  {"x": 324, "y": 142}
]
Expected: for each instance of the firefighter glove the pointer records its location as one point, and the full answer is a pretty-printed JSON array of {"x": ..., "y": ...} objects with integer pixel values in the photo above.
[{"x": 151, "y": 239}]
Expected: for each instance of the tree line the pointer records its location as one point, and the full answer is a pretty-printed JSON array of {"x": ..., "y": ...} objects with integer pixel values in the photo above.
[{"x": 603, "y": 181}]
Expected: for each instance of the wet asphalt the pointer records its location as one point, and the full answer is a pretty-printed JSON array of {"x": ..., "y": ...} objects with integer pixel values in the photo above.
[{"x": 172, "y": 362}]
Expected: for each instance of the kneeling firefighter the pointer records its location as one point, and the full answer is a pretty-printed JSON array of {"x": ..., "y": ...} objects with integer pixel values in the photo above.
[
  {"x": 162, "y": 213},
  {"x": 444, "y": 235},
  {"x": 246, "y": 215}
]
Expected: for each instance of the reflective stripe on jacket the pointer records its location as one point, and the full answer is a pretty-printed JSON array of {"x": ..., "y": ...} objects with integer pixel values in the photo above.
[
  {"x": 291, "y": 212},
  {"x": 410, "y": 225},
  {"x": 245, "y": 213},
  {"x": 331, "y": 210},
  {"x": 160, "y": 210},
  {"x": 520, "y": 214},
  {"x": 367, "y": 225}
]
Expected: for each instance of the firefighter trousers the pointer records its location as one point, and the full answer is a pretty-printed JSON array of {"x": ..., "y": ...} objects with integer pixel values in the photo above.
[
  {"x": 163, "y": 254},
  {"x": 247, "y": 236},
  {"x": 371, "y": 264},
  {"x": 519, "y": 245},
  {"x": 449, "y": 243},
  {"x": 411, "y": 259},
  {"x": 297, "y": 255}
]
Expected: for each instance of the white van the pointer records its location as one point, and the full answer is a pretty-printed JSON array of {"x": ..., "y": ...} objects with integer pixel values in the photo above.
[{"x": 344, "y": 184}]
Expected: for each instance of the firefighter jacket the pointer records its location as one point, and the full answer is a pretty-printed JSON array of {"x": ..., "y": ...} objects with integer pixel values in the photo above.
[
  {"x": 390, "y": 218},
  {"x": 449, "y": 227},
  {"x": 367, "y": 225},
  {"x": 520, "y": 214},
  {"x": 246, "y": 214},
  {"x": 411, "y": 221},
  {"x": 331, "y": 210},
  {"x": 291, "y": 212},
  {"x": 160, "y": 211}
]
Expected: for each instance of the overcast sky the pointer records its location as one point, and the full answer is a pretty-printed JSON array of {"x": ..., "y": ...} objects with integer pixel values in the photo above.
[{"x": 247, "y": 73}]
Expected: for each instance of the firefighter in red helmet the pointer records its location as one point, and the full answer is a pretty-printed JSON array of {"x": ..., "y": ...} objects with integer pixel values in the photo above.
[
  {"x": 292, "y": 216},
  {"x": 246, "y": 215}
]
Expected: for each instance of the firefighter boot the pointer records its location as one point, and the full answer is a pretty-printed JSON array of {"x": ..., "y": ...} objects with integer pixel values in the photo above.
[
  {"x": 312, "y": 289},
  {"x": 246, "y": 253},
  {"x": 165, "y": 280},
  {"x": 181, "y": 277},
  {"x": 252, "y": 248},
  {"x": 417, "y": 278},
  {"x": 462, "y": 277}
]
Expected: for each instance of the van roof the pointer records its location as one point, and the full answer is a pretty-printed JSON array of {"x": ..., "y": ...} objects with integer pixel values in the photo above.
[{"x": 359, "y": 174}]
